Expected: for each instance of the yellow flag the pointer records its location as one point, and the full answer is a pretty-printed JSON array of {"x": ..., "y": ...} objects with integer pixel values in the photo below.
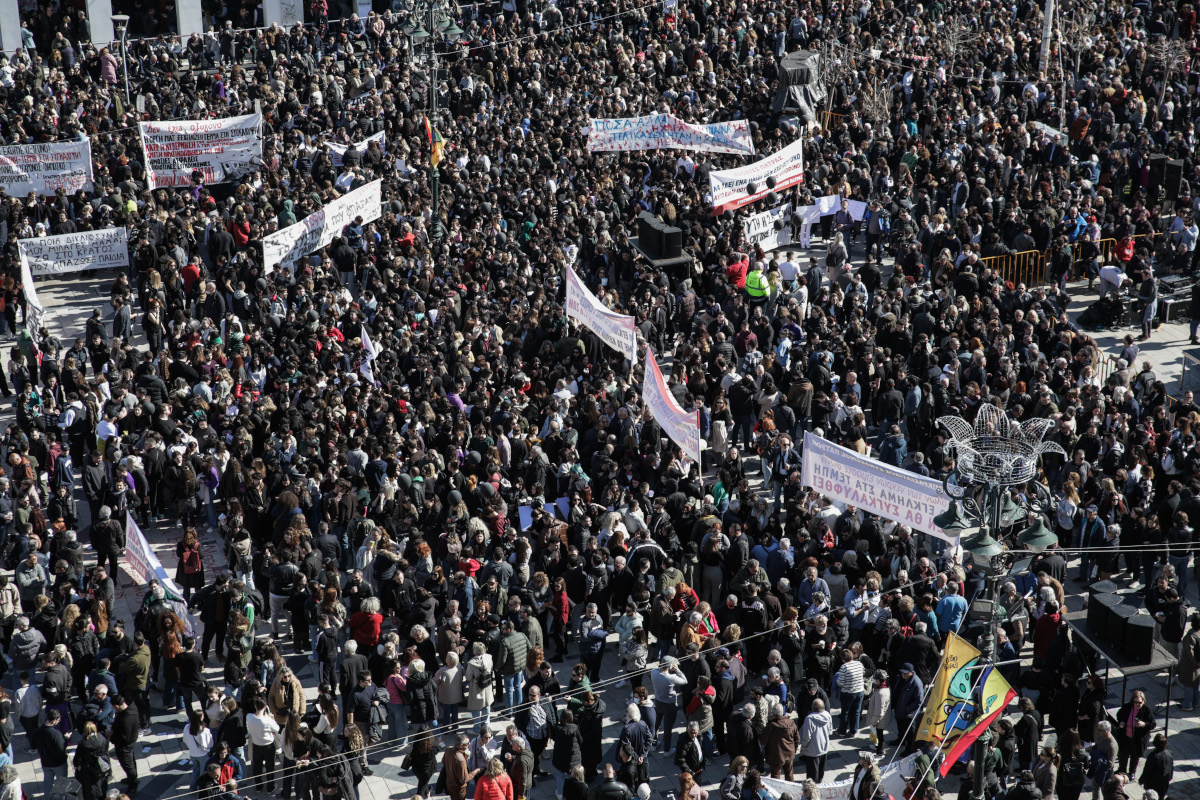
[{"x": 950, "y": 709}]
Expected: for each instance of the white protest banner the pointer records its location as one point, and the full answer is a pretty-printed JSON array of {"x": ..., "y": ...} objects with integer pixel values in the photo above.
[
  {"x": 847, "y": 478},
  {"x": 668, "y": 132},
  {"x": 35, "y": 313},
  {"x": 762, "y": 230},
  {"x": 682, "y": 426},
  {"x": 615, "y": 330},
  {"x": 337, "y": 151},
  {"x": 840, "y": 790},
  {"x": 46, "y": 168},
  {"x": 141, "y": 563},
  {"x": 221, "y": 149},
  {"x": 73, "y": 252},
  {"x": 319, "y": 229},
  {"x": 728, "y": 187}
]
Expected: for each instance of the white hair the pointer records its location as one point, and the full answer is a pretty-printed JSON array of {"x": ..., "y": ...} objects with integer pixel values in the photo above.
[
  {"x": 350, "y": 646},
  {"x": 633, "y": 712}
]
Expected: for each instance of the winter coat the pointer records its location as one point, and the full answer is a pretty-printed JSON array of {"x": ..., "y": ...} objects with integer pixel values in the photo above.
[
  {"x": 568, "y": 747},
  {"x": 278, "y": 701},
  {"x": 879, "y": 708},
  {"x": 479, "y": 696},
  {"x": 498, "y": 788},
  {"x": 814, "y": 736},
  {"x": 1189, "y": 658},
  {"x": 780, "y": 741},
  {"x": 421, "y": 700}
]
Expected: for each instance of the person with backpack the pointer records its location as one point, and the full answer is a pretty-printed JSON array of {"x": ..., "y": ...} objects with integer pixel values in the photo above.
[
  {"x": 479, "y": 678},
  {"x": 189, "y": 571}
]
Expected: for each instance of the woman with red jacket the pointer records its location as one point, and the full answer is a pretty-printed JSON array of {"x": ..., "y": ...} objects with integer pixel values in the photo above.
[
  {"x": 366, "y": 623},
  {"x": 495, "y": 785}
]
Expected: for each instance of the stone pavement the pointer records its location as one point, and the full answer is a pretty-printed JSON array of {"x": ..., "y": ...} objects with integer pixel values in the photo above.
[{"x": 165, "y": 776}]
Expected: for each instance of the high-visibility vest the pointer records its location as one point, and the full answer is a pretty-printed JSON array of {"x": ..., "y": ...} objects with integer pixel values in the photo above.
[{"x": 756, "y": 285}]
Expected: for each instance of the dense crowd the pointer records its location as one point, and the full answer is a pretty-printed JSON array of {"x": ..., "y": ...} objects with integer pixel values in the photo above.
[{"x": 386, "y": 519}]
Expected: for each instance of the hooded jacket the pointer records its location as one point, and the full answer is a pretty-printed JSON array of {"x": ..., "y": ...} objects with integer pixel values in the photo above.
[{"x": 814, "y": 736}]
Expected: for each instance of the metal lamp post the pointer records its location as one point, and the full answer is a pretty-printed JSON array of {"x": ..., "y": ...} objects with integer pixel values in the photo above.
[
  {"x": 993, "y": 457},
  {"x": 121, "y": 27}
]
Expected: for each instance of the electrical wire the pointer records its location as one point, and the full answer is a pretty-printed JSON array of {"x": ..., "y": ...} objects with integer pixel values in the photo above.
[{"x": 395, "y": 744}]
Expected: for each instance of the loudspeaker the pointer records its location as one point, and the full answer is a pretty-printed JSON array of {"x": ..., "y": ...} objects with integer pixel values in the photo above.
[
  {"x": 1118, "y": 620},
  {"x": 1098, "y": 613},
  {"x": 1101, "y": 587},
  {"x": 1174, "y": 309},
  {"x": 1139, "y": 638},
  {"x": 650, "y": 234},
  {"x": 672, "y": 242},
  {"x": 1158, "y": 171},
  {"x": 1173, "y": 177}
]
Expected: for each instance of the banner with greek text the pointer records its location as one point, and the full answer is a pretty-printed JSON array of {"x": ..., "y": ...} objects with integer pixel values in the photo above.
[
  {"x": 46, "y": 168},
  {"x": 615, "y": 330},
  {"x": 336, "y": 151},
  {"x": 682, "y": 426},
  {"x": 73, "y": 252},
  {"x": 668, "y": 132},
  {"x": 892, "y": 775},
  {"x": 848, "y": 478},
  {"x": 35, "y": 312},
  {"x": 222, "y": 150},
  {"x": 141, "y": 563},
  {"x": 319, "y": 229},
  {"x": 728, "y": 187},
  {"x": 770, "y": 229}
]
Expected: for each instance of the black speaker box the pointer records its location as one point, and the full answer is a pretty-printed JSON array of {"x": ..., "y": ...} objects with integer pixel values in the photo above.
[
  {"x": 1158, "y": 173},
  {"x": 650, "y": 234},
  {"x": 1098, "y": 613},
  {"x": 1101, "y": 587},
  {"x": 672, "y": 242},
  {"x": 1174, "y": 309},
  {"x": 1139, "y": 638},
  {"x": 1173, "y": 177},
  {"x": 1118, "y": 621}
]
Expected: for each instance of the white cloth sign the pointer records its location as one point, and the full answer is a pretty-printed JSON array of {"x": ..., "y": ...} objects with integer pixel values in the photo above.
[
  {"x": 35, "y": 313},
  {"x": 892, "y": 775},
  {"x": 141, "y": 563},
  {"x": 761, "y": 230},
  {"x": 847, "y": 478},
  {"x": 221, "y": 149},
  {"x": 615, "y": 330},
  {"x": 73, "y": 252},
  {"x": 336, "y": 151},
  {"x": 318, "y": 229},
  {"x": 46, "y": 168},
  {"x": 728, "y": 187},
  {"x": 668, "y": 132},
  {"x": 682, "y": 426}
]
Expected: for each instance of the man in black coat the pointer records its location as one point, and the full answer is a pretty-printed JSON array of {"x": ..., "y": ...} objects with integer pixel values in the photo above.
[
  {"x": 920, "y": 651},
  {"x": 51, "y": 747},
  {"x": 124, "y": 739},
  {"x": 190, "y": 668},
  {"x": 1159, "y": 768},
  {"x": 354, "y": 664}
]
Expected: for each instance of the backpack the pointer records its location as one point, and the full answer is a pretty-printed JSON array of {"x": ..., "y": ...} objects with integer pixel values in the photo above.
[
  {"x": 256, "y": 599},
  {"x": 483, "y": 679},
  {"x": 1073, "y": 774},
  {"x": 191, "y": 561}
]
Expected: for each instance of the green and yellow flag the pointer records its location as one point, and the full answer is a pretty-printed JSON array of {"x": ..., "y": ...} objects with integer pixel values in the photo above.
[
  {"x": 949, "y": 709},
  {"x": 437, "y": 145}
]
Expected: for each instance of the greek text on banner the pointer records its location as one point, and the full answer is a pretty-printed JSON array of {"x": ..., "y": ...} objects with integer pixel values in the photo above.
[
  {"x": 668, "y": 132},
  {"x": 73, "y": 252},
  {"x": 728, "y": 187},
  {"x": 618, "y": 331},
  {"x": 221, "y": 149},
  {"x": 760, "y": 229},
  {"x": 141, "y": 563},
  {"x": 848, "y": 478},
  {"x": 682, "y": 426},
  {"x": 319, "y": 229},
  {"x": 46, "y": 168}
]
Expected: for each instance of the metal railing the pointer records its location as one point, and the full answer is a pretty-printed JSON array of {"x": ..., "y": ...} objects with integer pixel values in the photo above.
[
  {"x": 829, "y": 120},
  {"x": 1029, "y": 266}
]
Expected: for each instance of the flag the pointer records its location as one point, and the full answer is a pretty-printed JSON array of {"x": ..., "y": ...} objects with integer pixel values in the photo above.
[
  {"x": 437, "y": 145},
  {"x": 994, "y": 696},
  {"x": 949, "y": 709}
]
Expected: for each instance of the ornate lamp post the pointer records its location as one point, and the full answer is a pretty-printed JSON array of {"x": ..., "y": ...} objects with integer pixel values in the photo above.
[{"x": 992, "y": 458}]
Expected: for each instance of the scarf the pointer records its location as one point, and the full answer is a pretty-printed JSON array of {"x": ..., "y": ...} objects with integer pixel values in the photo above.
[{"x": 1131, "y": 721}]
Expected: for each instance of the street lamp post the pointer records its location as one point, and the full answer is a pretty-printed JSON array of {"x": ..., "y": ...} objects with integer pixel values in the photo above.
[
  {"x": 993, "y": 457},
  {"x": 121, "y": 27},
  {"x": 447, "y": 30}
]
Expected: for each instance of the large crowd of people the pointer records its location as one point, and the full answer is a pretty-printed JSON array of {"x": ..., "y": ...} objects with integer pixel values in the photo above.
[{"x": 470, "y": 546}]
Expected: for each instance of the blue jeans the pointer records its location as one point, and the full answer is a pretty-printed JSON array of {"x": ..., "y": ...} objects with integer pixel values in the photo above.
[
  {"x": 448, "y": 715},
  {"x": 851, "y": 711},
  {"x": 397, "y": 720},
  {"x": 1180, "y": 563},
  {"x": 49, "y": 776},
  {"x": 560, "y": 780},
  {"x": 512, "y": 690}
]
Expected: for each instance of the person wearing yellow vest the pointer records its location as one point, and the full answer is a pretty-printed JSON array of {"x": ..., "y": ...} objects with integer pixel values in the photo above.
[{"x": 758, "y": 289}]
